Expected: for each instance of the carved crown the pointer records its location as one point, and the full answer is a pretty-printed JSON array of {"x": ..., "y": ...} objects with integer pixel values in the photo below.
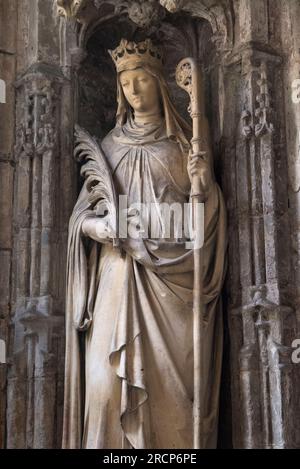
[{"x": 129, "y": 55}]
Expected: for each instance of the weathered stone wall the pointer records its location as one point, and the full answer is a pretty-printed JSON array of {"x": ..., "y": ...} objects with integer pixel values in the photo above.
[
  {"x": 8, "y": 22},
  {"x": 290, "y": 40},
  {"x": 57, "y": 73},
  {"x": 289, "y": 21}
]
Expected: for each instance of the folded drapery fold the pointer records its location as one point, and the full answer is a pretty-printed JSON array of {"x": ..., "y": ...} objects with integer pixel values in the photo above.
[{"x": 129, "y": 344}]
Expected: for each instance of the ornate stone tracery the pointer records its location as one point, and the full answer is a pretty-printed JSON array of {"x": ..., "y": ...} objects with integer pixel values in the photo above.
[{"x": 150, "y": 12}]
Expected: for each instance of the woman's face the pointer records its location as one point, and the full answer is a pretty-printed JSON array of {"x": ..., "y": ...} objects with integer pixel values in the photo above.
[{"x": 141, "y": 90}]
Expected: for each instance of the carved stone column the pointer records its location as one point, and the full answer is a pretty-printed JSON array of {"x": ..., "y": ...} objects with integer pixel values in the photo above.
[
  {"x": 262, "y": 318},
  {"x": 269, "y": 322},
  {"x": 44, "y": 193},
  {"x": 37, "y": 356}
]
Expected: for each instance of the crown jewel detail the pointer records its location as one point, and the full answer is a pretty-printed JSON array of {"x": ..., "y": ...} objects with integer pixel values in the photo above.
[{"x": 129, "y": 54}]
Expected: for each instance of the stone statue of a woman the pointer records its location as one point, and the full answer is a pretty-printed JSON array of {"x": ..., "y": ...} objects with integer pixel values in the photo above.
[{"x": 129, "y": 338}]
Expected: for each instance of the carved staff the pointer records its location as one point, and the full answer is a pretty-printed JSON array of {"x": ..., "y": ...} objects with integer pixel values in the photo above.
[{"x": 188, "y": 77}]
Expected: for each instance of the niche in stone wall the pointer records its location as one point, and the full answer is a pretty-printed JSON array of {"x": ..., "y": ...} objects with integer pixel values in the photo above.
[{"x": 180, "y": 36}]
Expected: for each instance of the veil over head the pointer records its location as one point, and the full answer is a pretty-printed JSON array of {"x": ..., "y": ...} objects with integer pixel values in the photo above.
[{"x": 176, "y": 127}]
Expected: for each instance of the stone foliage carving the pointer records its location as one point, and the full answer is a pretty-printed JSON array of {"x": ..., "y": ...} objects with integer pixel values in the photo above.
[
  {"x": 39, "y": 101},
  {"x": 264, "y": 111},
  {"x": 69, "y": 7},
  {"x": 257, "y": 114},
  {"x": 142, "y": 13},
  {"x": 172, "y": 5},
  {"x": 150, "y": 12}
]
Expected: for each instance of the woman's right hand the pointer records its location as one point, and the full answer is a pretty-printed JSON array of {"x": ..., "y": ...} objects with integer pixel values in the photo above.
[{"x": 99, "y": 229}]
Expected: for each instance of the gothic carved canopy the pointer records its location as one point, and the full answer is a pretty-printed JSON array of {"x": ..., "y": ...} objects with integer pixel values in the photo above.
[{"x": 145, "y": 13}]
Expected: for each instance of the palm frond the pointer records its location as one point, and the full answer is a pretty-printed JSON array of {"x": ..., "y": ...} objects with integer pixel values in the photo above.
[{"x": 102, "y": 195}]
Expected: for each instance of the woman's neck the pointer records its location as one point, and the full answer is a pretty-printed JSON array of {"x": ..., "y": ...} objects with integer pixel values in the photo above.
[{"x": 147, "y": 118}]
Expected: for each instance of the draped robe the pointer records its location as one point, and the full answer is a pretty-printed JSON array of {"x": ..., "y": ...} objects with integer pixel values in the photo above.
[{"x": 129, "y": 338}]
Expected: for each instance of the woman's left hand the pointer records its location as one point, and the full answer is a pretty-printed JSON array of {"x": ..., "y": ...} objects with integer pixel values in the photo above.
[{"x": 200, "y": 173}]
